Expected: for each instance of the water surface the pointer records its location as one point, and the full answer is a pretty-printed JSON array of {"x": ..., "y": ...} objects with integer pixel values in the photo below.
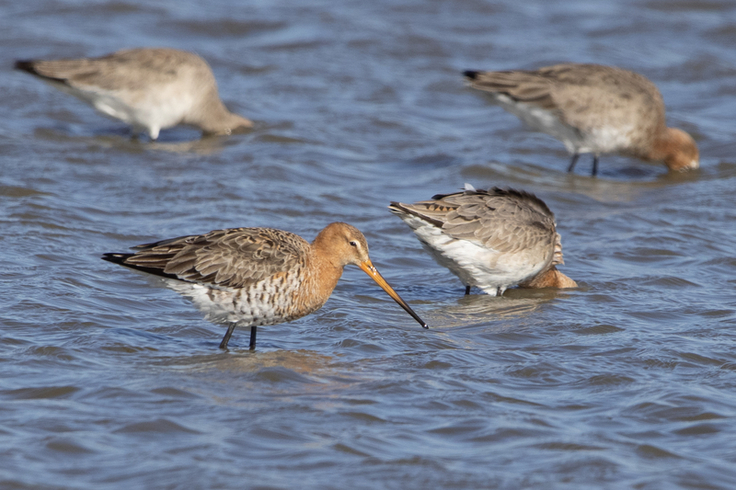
[{"x": 111, "y": 381}]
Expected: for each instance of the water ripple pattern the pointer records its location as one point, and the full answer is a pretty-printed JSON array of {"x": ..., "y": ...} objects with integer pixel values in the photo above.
[{"x": 109, "y": 380}]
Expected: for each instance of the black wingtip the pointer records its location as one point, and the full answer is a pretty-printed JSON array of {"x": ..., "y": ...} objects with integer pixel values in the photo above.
[
  {"x": 25, "y": 65},
  {"x": 115, "y": 258},
  {"x": 398, "y": 208},
  {"x": 471, "y": 74},
  {"x": 121, "y": 259}
]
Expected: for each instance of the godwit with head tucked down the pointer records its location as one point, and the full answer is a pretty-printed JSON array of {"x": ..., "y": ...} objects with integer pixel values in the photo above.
[
  {"x": 592, "y": 109},
  {"x": 148, "y": 88},
  {"x": 491, "y": 239},
  {"x": 248, "y": 277}
]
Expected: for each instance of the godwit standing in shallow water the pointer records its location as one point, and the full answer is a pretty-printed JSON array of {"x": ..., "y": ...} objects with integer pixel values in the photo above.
[
  {"x": 592, "y": 109},
  {"x": 148, "y": 88},
  {"x": 247, "y": 277},
  {"x": 491, "y": 239}
]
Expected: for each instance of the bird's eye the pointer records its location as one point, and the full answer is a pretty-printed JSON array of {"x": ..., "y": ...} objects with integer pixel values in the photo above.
[{"x": 353, "y": 243}]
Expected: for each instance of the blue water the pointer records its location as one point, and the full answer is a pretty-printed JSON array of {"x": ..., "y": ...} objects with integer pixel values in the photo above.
[{"x": 108, "y": 380}]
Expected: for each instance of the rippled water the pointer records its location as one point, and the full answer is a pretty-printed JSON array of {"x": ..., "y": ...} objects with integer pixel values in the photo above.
[{"x": 108, "y": 380}]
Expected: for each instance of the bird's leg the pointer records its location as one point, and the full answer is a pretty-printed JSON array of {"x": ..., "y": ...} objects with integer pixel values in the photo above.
[
  {"x": 252, "y": 344},
  {"x": 467, "y": 290},
  {"x": 226, "y": 338},
  {"x": 595, "y": 165},
  {"x": 573, "y": 161}
]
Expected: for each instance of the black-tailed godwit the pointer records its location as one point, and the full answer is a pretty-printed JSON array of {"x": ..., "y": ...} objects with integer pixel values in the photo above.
[
  {"x": 490, "y": 239},
  {"x": 150, "y": 89},
  {"x": 592, "y": 109},
  {"x": 248, "y": 277}
]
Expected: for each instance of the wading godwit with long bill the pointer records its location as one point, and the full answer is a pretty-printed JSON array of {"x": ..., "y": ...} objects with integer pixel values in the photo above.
[
  {"x": 250, "y": 277},
  {"x": 592, "y": 109}
]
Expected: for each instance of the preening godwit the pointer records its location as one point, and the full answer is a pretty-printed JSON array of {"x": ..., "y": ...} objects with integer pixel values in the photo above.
[
  {"x": 148, "y": 88},
  {"x": 248, "y": 277},
  {"x": 491, "y": 239},
  {"x": 592, "y": 109}
]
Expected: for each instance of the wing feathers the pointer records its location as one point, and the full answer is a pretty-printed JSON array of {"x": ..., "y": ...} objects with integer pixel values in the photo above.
[
  {"x": 226, "y": 258},
  {"x": 504, "y": 220}
]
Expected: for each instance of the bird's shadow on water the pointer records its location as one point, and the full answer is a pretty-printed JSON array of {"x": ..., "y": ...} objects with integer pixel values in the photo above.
[
  {"x": 250, "y": 368},
  {"x": 623, "y": 180},
  {"x": 245, "y": 360},
  {"x": 480, "y": 309},
  {"x": 121, "y": 138},
  {"x": 181, "y": 139}
]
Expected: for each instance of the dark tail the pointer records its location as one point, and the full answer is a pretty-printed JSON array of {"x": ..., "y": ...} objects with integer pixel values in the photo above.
[
  {"x": 399, "y": 208},
  {"x": 29, "y": 66},
  {"x": 26, "y": 65},
  {"x": 116, "y": 258},
  {"x": 471, "y": 74},
  {"x": 121, "y": 259}
]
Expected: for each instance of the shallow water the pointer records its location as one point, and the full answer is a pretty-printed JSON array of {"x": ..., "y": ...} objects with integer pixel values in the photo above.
[{"x": 111, "y": 381}]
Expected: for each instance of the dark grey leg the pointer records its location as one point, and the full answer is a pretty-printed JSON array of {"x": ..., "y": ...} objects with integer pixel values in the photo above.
[
  {"x": 595, "y": 166},
  {"x": 467, "y": 290},
  {"x": 252, "y": 344},
  {"x": 226, "y": 338},
  {"x": 573, "y": 162}
]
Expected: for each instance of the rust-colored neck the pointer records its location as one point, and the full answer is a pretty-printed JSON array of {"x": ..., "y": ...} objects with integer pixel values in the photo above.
[
  {"x": 675, "y": 148},
  {"x": 324, "y": 269}
]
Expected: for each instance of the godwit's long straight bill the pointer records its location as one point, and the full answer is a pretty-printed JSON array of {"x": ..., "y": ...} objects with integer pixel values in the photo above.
[{"x": 370, "y": 269}]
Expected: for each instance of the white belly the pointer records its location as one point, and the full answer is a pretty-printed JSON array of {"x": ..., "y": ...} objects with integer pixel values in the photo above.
[
  {"x": 148, "y": 111},
  {"x": 596, "y": 138},
  {"x": 474, "y": 264}
]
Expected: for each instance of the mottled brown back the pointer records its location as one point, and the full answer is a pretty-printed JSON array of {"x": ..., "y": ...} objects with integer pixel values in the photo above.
[
  {"x": 237, "y": 257},
  {"x": 132, "y": 69},
  {"x": 584, "y": 96},
  {"x": 505, "y": 220}
]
